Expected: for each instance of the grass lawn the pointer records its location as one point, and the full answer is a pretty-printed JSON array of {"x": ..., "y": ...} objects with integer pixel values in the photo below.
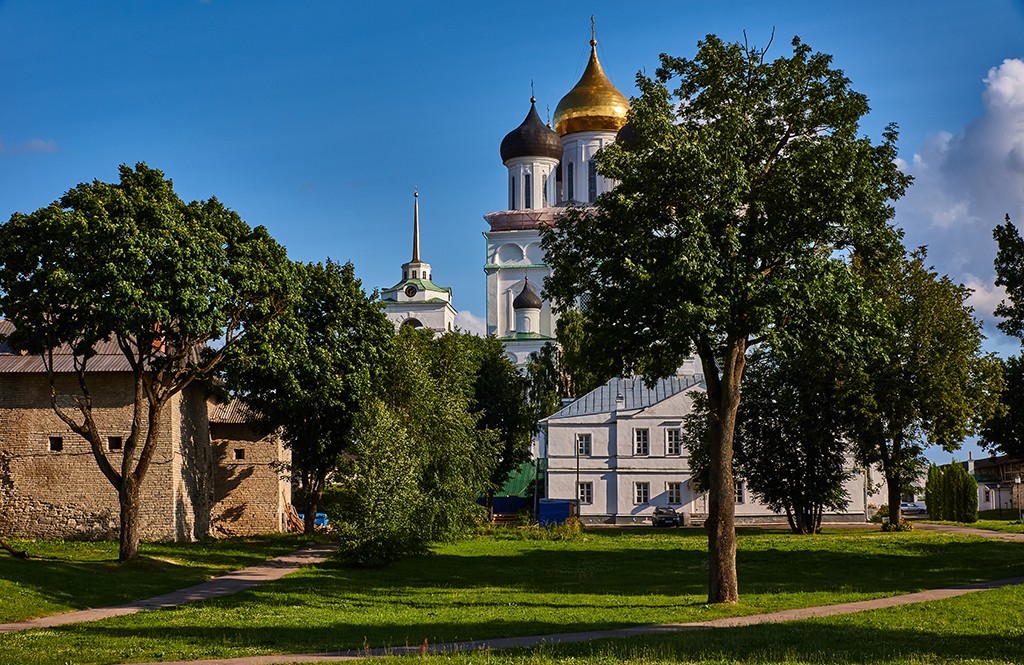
[
  {"x": 493, "y": 586},
  {"x": 990, "y": 521},
  {"x": 66, "y": 576},
  {"x": 985, "y": 627}
]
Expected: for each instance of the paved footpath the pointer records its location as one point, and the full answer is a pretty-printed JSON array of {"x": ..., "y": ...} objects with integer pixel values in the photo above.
[{"x": 225, "y": 585}]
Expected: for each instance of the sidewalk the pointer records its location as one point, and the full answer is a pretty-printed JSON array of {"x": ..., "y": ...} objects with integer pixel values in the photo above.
[{"x": 225, "y": 585}]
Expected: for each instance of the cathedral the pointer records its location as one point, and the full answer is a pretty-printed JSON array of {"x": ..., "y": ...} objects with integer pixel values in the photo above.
[{"x": 548, "y": 169}]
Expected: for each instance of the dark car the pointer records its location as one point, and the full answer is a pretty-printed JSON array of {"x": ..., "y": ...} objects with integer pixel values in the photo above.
[{"x": 666, "y": 516}]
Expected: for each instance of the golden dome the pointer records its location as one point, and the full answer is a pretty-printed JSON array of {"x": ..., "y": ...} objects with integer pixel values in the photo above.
[{"x": 593, "y": 104}]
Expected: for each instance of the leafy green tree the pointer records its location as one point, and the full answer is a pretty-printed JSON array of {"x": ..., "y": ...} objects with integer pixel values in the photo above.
[
  {"x": 500, "y": 400},
  {"x": 744, "y": 182},
  {"x": 564, "y": 369},
  {"x": 934, "y": 493},
  {"x": 926, "y": 381},
  {"x": 419, "y": 461},
  {"x": 1004, "y": 432},
  {"x": 310, "y": 371},
  {"x": 176, "y": 286}
]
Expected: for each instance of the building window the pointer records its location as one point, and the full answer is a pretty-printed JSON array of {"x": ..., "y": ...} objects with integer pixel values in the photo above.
[
  {"x": 591, "y": 181},
  {"x": 675, "y": 492},
  {"x": 115, "y": 443},
  {"x": 239, "y": 453},
  {"x": 674, "y": 442},
  {"x": 739, "y": 491},
  {"x": 641, "y": 442},
  {"x": 641, "y": 493},
  {"x": 544, "y": 190},
  {"x": 527, "y": 190},
  {"x": 512, "y": 193},
  {"x": 585, "y": 492},
  {"x": 583, "y": 445},
  {"x": 988, "y": 495},
  {"x": 570, "y": 189},
  {"x": 56, "y": 444}
]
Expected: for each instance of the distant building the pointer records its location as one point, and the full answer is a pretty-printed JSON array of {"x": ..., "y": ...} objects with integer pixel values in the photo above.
[
  {"x": 416, "y": 301},
  {"x": 619, "y": 452},
  {"x": 1000, "y": 482}
]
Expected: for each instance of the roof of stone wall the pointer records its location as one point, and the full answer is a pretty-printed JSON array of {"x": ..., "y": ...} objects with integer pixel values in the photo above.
[{"x": 108, "y": 358}]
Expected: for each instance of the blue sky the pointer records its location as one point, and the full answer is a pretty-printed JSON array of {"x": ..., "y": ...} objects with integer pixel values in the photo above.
[{"x": 317, "y": 119}]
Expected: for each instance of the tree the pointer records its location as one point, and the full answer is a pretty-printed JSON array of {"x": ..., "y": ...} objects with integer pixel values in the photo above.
[
  {"x": 564, "y": 369},
  {"x": 500, "y": 401},
  {"x": 1004, "y": 432},
  {"x": 926, "y": 382},
  {"x": 419, "y": 461},
  {"x": 176, "y": 286},
  {"x": 309, "y": 373},
  {"x": 743, "y": 182},
  {"x": 792, "y": 457}
]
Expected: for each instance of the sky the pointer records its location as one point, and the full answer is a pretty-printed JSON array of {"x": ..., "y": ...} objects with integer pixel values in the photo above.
[{"x": 319, "y": 119}]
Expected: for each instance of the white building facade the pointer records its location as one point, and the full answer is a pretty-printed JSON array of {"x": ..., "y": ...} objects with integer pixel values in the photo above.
[{"x": 619, "y": 452}]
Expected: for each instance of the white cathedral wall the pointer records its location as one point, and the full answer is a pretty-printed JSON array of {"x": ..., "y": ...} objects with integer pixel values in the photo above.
[
  {"x": 511, "y": 257},
  {"x": 542, "y": 177},
  {"x": 578, "y": 149}
]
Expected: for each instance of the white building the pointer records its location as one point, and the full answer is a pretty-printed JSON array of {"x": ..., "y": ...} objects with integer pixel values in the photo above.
[
  {"x": 416, "y": 301},
  {"x": 618, "y": 450},
  {"x": 547, "y": 170}
]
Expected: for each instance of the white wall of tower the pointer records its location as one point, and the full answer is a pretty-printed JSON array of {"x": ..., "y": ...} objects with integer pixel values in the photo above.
[
  {"x": 578, "y": 166},
  {"x": 531, "y": 183}
]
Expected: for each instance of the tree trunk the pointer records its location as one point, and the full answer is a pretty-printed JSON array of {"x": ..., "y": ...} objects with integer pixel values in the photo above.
[
  {"x": 21, "y": 554},
  {"x": 723, "y": 403},
  {"x": 128, "y": 496},
  {"x": 895, "y": 494}
]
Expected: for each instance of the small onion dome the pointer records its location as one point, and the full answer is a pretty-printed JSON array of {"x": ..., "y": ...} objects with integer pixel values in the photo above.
[
  {"x": 594, "y": 104},
  {"x": 531, "y": 139},
  {"x": 627, "y": 136},
  {"x": 527, "y": 299}
]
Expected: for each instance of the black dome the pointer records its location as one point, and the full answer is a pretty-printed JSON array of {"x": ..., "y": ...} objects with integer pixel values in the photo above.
[
  {"x": 531, "y": 139},
  {"x": 527, "y": 299},
  {"x": 627, "y": 136}
]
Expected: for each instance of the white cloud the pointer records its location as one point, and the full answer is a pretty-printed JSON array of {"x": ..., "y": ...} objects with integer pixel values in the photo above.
[
  {"x": 467, "y": 321},
  {"x": 965, "y": 182},
  {"x": 33, "y": 145}
]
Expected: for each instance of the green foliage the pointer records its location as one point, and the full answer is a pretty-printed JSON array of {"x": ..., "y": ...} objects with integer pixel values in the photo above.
[
  {"x": 309, "y": 372},
  {"x": 897, "y": 527},
  {"x": 924, "y": 380},
  {"x": 500, "y": 401},
  {"x": 951, "y": 494},
  {"x": 419, "y": 461},
  {"x": 571, "y": 529},
  {"x": 789, "y": 444},
  {"x": 1004, "y": 432},
  {"x": 746, "y": 182},
  {"x": 566, "y": 369},
  {"x": 174, "y": 286}
]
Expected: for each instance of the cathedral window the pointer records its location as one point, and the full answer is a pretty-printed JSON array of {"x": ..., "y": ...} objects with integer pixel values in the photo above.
[
  {"x": 544, "y": 179},
  {"x": 570, "y": 190},
  {"x": 527, "y": 190},
  {"x": 512, "y": 193},
  {"x": 591, "y": 181}
]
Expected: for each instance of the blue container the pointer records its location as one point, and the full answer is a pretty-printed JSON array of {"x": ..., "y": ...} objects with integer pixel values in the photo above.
[
  {"x": 319, "y": 520},
  {"x": 555, "y": 511}
]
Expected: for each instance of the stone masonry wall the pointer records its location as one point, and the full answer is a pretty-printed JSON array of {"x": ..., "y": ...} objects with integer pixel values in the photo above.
[
  {"x": 250, "y": 493},
  {"x": 63, "y": 494}
]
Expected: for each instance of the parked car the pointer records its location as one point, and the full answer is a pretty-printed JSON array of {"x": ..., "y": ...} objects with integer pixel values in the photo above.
[
  {"x": 912, "y": 508},
  {"x": 666, "y": 516}
]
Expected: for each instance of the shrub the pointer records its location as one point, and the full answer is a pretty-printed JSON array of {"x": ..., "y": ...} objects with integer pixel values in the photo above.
[{"x": 902, "y": 525}]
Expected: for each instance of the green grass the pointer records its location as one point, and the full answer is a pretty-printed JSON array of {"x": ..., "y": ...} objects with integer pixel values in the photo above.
[
  {"x": 984, "y": 627},
  {"x": 66, "y": 576},
  {"x": 990, "y": 524},
  {"x": 490, "y": 587}
]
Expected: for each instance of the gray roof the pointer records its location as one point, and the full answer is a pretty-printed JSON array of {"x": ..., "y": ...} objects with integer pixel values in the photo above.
[
  {"x": 234, "y": 412},
  {"x": 108, "y": 358},
  {"x": 635, "y": 394}
]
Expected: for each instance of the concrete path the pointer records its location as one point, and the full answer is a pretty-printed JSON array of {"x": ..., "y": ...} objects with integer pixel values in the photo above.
[{"x": 225, "y": 585}]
